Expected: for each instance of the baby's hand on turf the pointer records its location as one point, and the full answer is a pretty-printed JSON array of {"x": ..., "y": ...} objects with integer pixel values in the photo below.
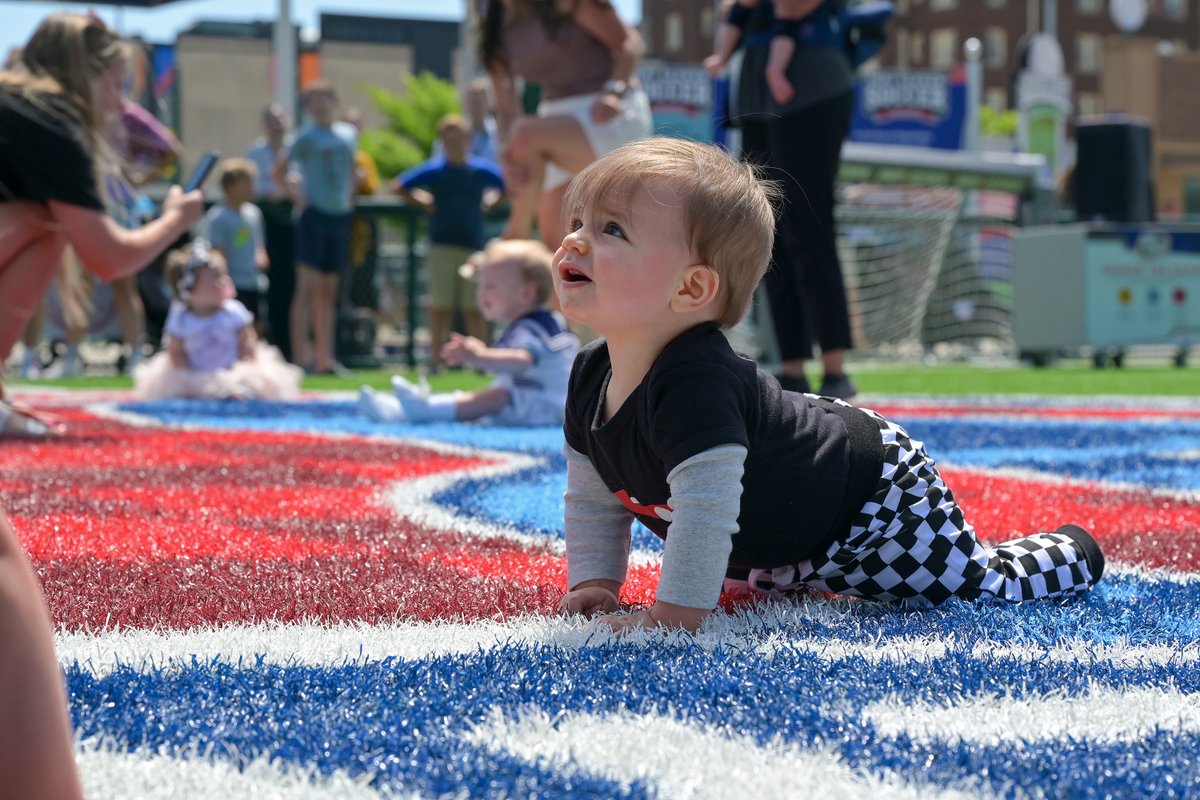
[
  {"x": 659, "y": 615},
  {"x": 589, "y": 601}
]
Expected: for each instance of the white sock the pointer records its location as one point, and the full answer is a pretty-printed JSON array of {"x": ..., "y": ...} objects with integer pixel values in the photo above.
[
  {"x": 379, "y": 406},
  {"x": 419, "y": 406},
  {"x": 443, "y": 407}
]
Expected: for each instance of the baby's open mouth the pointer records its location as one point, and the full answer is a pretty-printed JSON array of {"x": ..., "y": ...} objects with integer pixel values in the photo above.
[{"x": 571, "y": 275}]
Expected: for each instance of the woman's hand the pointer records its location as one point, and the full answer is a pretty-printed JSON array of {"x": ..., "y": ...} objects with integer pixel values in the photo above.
[{"x": 189, "y": 207}]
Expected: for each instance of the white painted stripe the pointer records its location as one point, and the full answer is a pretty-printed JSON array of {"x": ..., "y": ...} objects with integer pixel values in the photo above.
[
  {"x": 731, "y": 766},
  {"x": 768, "y": 629},
  {"x": 413, "y": 500},
  {"x": 1103, "y": 715},
  {"x": 109, "y": 773}
]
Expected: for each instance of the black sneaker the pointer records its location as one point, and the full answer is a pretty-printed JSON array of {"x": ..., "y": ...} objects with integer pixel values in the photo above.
[
  {"x": 1090, "y": 547},
  {"x": 794, "y": 383},
  {"x": 839, "y": 386}
]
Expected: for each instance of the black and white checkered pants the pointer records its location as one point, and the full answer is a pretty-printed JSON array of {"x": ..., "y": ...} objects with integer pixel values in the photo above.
[{"x": 911, "y": 543}]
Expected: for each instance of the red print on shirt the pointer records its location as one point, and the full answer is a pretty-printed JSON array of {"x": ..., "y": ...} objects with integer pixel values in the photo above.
[{"x": 662, "y": 511}]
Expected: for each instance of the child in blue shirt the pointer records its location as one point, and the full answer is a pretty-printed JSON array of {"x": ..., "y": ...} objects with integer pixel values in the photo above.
[
  {"x": 234, "y": 227},
  {"x": 531, "y": 360},
  {"x": 456, "y": 189},
  {"x": 323, "y": 152}
]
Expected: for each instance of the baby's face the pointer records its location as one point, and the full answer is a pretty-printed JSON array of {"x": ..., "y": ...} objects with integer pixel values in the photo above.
[
  {"x": 502, "y": 293},
  {"x": 622, "y": 260},
  {"x": 213, "y": 287}
]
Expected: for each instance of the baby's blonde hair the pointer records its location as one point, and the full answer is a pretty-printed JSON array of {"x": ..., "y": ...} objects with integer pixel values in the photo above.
[
  {"x": 532, "y": 258},
  {"x": 728, "y": 219}
]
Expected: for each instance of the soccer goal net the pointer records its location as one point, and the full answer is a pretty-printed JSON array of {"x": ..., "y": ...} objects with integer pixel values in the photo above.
[{"x": 925, "y": 239}]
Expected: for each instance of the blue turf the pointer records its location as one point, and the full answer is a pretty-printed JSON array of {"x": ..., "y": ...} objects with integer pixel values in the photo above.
[{"x": 404, "y": 721}]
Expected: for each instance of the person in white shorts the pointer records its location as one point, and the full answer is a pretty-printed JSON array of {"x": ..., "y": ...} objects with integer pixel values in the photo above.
[{"x": 583, "y": 58}]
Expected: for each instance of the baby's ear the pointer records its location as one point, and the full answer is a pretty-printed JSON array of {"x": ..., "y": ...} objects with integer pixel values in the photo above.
[{"x": 698, "y": 288}]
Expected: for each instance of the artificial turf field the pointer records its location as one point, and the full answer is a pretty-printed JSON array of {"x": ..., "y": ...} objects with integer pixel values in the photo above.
[{"x": 286, "y": 600}]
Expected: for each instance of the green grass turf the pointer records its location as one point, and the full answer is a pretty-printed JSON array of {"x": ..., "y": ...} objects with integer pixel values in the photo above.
[{"x": 1078, "y": 378}]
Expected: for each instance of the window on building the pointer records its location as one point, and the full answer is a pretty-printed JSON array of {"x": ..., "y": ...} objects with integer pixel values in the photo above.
[
  {"x": 995, "y": 47},
  {"x": 1089, "y": 103},
  {"x": 1191, "y": 196},
  {"x": 996, "y": 3},
  {"x": 1089, "y": 6},
  {"x": 1175, "y": 9},
  {"x": 706, "y": 23},
  {"x": 943, "y": 48},
  {"x": 996, "y": 98},
  {"x": 918, "y": 48},
  {"x": 901, "y": 7},
  {"x": 673, "y": 32},
  {"x": 903, "y": 47},
  {"x": 1088, "y": 53},
  {"x": 943, "y": 5}
]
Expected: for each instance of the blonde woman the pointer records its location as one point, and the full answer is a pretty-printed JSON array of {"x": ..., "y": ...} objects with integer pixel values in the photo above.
[{"x": 54, "y": 110}]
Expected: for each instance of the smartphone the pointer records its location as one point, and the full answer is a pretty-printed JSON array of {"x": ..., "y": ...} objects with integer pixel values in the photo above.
[{"x": 200, "y": 173}]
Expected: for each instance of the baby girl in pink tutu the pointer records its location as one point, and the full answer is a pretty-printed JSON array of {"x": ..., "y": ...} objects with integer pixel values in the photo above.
[{"x": 210, "y": 348}]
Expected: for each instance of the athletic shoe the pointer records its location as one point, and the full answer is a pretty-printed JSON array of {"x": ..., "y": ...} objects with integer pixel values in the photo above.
[
  {"x": 1092, "y": 555},
  {"x": 378, "y": 406},
  {"x": 133, "y": 360},
  {"x": 31, "y": 366},
  {"x": 839, "y": 386}
]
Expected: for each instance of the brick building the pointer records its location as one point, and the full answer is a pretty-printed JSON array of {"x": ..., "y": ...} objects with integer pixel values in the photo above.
[
  {"x": 929, "y": 34},
  {"x": 1151, "y": 73}
]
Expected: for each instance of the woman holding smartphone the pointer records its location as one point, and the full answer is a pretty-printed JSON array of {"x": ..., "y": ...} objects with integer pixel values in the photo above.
[{"x": 54, "y": 108}]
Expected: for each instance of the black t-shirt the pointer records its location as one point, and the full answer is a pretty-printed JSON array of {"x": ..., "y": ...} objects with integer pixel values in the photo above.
[
  {"x": 810, "y": 464},
  {"x": 44, "y": 152}
]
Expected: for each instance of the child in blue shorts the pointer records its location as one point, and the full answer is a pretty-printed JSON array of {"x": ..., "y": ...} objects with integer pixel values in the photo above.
[{"x": 323, "y": 152}]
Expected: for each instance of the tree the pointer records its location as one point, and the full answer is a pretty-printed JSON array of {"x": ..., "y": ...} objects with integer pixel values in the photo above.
[
  {"x": 997, "y": 123},
  {"x": 412, "y": 121}
]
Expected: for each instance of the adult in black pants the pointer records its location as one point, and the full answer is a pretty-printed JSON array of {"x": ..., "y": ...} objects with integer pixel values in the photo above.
[
  {"x": 279, "y": 227},
  {"x": 800, "y": 145}
]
